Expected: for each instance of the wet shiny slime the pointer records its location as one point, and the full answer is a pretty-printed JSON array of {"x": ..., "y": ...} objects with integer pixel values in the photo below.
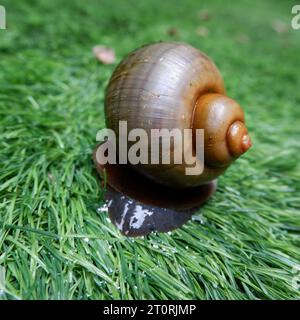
[{"x": 134, "y": 218}]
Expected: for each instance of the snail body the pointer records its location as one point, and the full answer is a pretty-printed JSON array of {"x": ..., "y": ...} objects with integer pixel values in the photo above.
[{"x": 173, "y": 85}]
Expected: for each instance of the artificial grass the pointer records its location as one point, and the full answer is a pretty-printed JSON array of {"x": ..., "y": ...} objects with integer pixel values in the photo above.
[{"x": 54, "y": 244}]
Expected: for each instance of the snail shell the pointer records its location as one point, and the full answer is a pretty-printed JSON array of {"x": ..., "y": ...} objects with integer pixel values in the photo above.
[{"x": 173, "y": 85}]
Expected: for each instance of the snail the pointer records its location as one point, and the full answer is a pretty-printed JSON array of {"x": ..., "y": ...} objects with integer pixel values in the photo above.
[{"x": 170, "y": 85}]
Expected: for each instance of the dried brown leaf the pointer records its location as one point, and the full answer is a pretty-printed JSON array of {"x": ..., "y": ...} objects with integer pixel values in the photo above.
[{"x": 104, "y": 54}]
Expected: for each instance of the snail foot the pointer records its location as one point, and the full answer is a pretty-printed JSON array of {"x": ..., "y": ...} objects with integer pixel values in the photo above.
[{"x": 138, "y": 206}]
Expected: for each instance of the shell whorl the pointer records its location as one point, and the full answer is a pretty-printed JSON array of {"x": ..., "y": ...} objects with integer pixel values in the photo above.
[
  {"x": 160, "y": 86},
  {"x": 226, "y": 136},
  {"x": 157, "y": 86}
]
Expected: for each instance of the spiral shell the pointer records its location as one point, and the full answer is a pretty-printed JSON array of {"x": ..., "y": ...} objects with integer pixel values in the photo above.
[{"x": 161, "y": 85}]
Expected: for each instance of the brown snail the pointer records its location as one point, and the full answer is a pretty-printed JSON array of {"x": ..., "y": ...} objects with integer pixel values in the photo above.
[{"x": 173, "y": 85}]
